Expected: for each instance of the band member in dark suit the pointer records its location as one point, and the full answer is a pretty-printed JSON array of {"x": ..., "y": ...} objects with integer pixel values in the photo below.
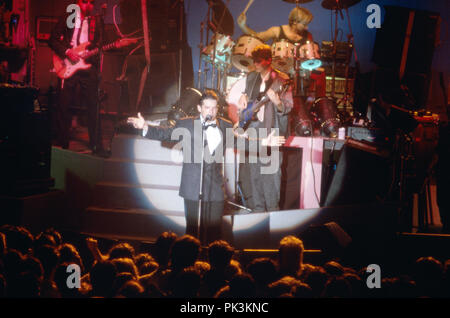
[
  {"x": 64, "y": 38},
  {"x": 215, "y": 131}
]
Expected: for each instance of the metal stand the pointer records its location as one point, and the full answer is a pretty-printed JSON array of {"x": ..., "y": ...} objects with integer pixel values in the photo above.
[
  {"x": 97, "y": 130},
  {"x": 180, "y": 50},
  {"x": 218, "y": 73},
  {"x": 200, "y": 193}
]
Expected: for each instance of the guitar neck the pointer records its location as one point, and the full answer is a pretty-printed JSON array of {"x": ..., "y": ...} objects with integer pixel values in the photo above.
[{"x": 97, "y": 50}]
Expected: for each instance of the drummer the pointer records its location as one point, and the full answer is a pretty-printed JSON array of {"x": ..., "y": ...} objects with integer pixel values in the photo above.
[{"x": 296, "y": 31}]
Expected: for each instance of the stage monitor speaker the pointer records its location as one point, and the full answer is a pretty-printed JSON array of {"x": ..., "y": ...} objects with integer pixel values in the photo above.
[
  {"x": 360, "y": 177},
  {"x": 330, "y": 237},
  {"x": 291, "y": 171},
  {"x": 391, "y": 37}
]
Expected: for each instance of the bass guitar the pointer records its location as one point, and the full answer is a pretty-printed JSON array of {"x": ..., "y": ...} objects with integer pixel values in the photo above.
[
  {"x": 248, "y": 114},
  {"x": 65, "y": 68}
]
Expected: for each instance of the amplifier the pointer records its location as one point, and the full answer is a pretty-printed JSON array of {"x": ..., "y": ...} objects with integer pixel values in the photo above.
[
  {"x": 339, "y": 86},
  {"x": 44, "y": 27}
]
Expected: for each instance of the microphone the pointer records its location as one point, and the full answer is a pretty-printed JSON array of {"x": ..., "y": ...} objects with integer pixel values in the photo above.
[{"x": 208, "y": 118}]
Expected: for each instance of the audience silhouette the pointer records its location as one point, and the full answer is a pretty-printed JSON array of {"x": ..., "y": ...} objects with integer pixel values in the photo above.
[{"x": 178, "y": 267}]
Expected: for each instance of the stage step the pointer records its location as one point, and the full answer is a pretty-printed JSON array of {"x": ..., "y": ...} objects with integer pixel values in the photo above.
[
  {"x": 131, "y": 222},
  {"x": 153, "y": 197},
  {"x": 139, "y": 148},
  {"x": 142, "y": 172}
]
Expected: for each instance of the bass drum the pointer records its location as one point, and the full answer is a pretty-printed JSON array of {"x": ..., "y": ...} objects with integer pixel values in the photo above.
[
  {"x": 233, "y": 99},
  {"x": 325, "y": 112},
  {"x": 186, "y": 106}
]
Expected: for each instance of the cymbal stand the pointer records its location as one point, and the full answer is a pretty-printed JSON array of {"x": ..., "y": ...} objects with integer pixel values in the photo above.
[
  {"x": 333, "y": 68},
  {"x": 200, "y": 83},
  {"x": 350, "y": 49},
  {"x": 300, "y": 74}
]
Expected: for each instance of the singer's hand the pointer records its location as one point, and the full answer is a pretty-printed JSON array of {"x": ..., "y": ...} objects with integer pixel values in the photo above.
[
  {"x": 137, "y": 122},
  {"x": 273, "y": 141}
]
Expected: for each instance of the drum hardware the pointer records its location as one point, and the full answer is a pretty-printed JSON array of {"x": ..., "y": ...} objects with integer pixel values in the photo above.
[
  {"x": 301, "y": 75},
  {"x": 325, "y": 114},
  {"x": 337, "y": 6},
  {"x": 217, "y": 52},
  {"x": 242, "y": 52},
  {"x": 309, "y": 53},
  {"x": 283, "y": 56},
  {"x": 326, "y": 51}
]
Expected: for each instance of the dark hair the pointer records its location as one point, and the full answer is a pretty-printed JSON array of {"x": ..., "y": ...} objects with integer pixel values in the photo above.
[
  {"x": 184, "y": 252},
  {"x": 121, "y": 250},
  {"x": 220, "y": 253},
  {"x": 162, "y": 247},
  {"x": 102, "y": 276},
  {"x": 262, "y": 51},
  {"x": 208, "y": 94}
]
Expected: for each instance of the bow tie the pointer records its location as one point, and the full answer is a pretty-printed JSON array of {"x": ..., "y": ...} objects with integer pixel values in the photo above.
[{"x": 210, "y": 125}]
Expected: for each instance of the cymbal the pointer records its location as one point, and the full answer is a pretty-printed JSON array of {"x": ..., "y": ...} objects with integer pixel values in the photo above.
[
  {"x": 297, "y": 1},
  {"x": 222, "y": 18},
  {"x": 338, "y": 4}
]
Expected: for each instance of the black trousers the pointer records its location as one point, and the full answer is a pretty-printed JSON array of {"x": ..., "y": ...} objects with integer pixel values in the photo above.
[
  {"x": 210, "y": 221},
  {"x": 87, "y": 82}
]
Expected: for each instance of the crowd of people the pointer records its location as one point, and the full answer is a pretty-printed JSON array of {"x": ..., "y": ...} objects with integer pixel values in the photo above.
[{"x": 179, "y": 267}]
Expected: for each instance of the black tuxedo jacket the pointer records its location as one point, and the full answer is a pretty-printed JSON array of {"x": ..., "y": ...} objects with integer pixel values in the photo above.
[{"x": 213, "y": 182}]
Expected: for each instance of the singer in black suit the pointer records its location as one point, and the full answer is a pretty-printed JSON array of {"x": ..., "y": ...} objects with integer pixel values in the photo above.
[
  {"x": 63, "y": 39},
  {"x": 215, "y": 132}
]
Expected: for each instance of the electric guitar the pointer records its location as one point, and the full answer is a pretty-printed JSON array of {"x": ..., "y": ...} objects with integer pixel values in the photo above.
[
  {"x": 66, "y": 68},
  {"x": 247, "y": 115}
]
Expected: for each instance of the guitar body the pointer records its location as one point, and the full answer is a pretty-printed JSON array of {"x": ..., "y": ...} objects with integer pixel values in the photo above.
[
  {"x": 247, "y": 115},
  {"x": 66, "y": 68}
]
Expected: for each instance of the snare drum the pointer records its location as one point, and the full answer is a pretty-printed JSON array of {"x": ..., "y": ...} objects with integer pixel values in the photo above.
[
  {"x": 309, "y": 52},
  {"x": 242, "y": 52},
  {"x": 224, "y": 49},
  {"x": 283, "y": 56}
]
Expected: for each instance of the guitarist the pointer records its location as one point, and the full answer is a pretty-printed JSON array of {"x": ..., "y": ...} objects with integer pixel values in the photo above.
[
  {"x": 62, "y": 41},
  {"x": 262, "y": 191}
]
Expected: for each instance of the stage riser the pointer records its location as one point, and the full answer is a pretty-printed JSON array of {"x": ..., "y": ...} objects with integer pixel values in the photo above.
[
  {"x": 115, "y": 195},
  {"x": 139, "y": 148},
  {"x": 142, "y": 173},
  {"x": 130, "y": 223},
  {"x": 364, "y": 224}
]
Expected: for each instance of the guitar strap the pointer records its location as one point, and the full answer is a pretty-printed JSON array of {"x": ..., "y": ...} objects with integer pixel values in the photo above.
[{"x": 269, "y": 114}]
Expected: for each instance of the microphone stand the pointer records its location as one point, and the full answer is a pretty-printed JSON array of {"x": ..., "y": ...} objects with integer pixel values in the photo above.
[
  {"x": 202, "y": 167},
  {"x": 97, "y": 129}
]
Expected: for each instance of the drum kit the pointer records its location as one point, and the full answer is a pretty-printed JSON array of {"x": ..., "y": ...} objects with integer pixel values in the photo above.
[{"x": 295, "y": 60}]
